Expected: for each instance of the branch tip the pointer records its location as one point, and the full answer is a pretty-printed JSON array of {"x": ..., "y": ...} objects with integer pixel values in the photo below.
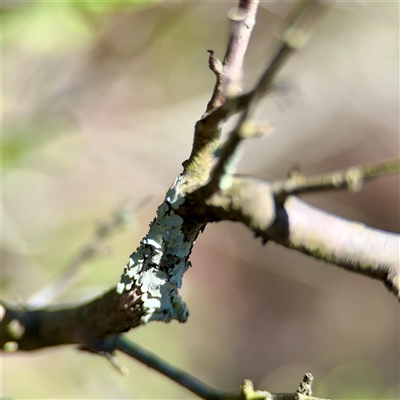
[
  {"x": 352, "y": 179},
  {"x": 215, "y": 65},
  {"x": 305, "y": 386},
  {"x": 115, "y": 362}
]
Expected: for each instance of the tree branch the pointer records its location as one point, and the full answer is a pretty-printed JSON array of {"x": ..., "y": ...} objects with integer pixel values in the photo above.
[
  {"x": 208, "y": 131},
  {"x": 299, "y": 29},
  {"x": 352, "y": 178},
  {"x": 91, "y": 325},
  {"x": 183, "y": 378},
  {"x": 148, "y": 289},
  {"x": 229, "y": 78},
  {"x": 202, "y": 390},
  {"x": 296, "y": 225}
]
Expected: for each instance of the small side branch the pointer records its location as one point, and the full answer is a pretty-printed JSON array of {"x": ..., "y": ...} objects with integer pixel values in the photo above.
[
  {"x": 229, "y": 77},
  {"x": 181, "y": 377},
  {"x": 299, "y": 226},
  {"x": 204, "y": 391},
  {"x": 228, "y": 74},
  {"x": 351, "y": 179},
  {"x": 300, "y": 27}
]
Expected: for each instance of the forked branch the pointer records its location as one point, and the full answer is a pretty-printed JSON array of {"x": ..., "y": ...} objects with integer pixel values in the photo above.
[
  {"x": 294, "y": 224},
  {"x": 228, "y": 81},
  {"x": 209, "y": 190}
]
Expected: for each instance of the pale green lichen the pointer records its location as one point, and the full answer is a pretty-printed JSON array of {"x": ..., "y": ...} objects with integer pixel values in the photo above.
[
  {"x": 120, "y": 287},
  {"x": 177, "y": 272},
  {"x": 151, "y": 281},
  {"x": 174, "y": 197},
  {"x": 145, "y": 270},
  {"x": 131, "y": 272},
  {"x": 152, "y": 242},
  {"x": 165, "y": 308}
]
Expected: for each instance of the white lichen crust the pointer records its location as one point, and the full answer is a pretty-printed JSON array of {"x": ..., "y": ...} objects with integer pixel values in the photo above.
[{"x": 158, "y": 264}]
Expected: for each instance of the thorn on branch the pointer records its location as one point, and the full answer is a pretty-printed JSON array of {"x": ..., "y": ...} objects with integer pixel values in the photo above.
[
  {"x": 215, "y": 64},
  {"x": 106, "y": 348},
  {"x": 115, "y": 362}
]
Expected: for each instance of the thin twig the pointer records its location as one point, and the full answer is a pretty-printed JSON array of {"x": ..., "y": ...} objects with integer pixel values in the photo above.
[
  {"x": 292, "y": 223},
  {"x": 201, "y": 389},
  {"x": 234, "y": 105},
  {"x": 208, "y": 131},
  {"x": 351, "y": 178},
  {"x": 229, "y": 78},
  {"x": 181, "y": 377},
  {"x": 294, "y": 37}
]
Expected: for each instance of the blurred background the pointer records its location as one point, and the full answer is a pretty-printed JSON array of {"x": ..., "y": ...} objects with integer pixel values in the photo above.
[{"x": 99, "y": 101}]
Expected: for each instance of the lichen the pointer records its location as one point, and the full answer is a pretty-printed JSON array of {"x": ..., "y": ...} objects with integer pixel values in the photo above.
[
  {"x": 157, "y": 266},
  {"x": 174, "y": 197},
  {"x": 120, "y": 287}
]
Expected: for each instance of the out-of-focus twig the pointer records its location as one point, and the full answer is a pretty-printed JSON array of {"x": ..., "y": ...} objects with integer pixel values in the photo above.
[
  {"x": 90, "y": 250},
  {"x": 201, "y": 389},
  {"x": 351, "y": 178},
  {"x": 181, "y": 377}
]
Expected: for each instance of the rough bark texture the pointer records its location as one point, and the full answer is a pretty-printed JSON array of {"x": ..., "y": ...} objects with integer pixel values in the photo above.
[{"x": 209, "y": 190}]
